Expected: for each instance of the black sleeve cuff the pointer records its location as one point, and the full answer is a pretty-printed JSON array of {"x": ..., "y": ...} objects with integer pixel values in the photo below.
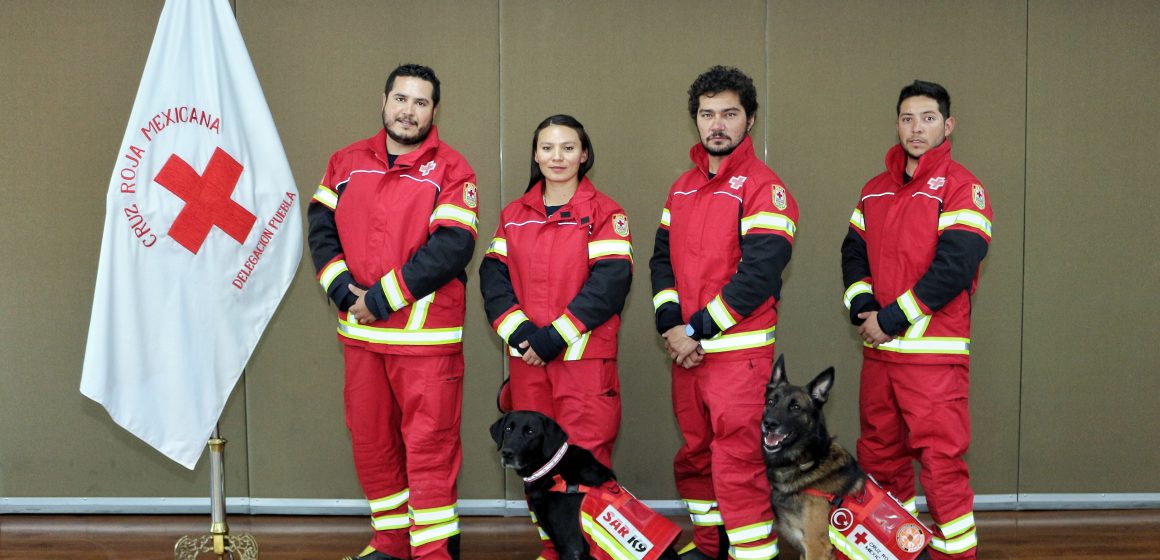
[
  {"x": 376, "y": 302},
  {"x": 861, "y": 304},
  {"x": 892, "y": 320},
  {"x": 703, "y": 325},
  {"x": 340, "y": 292},
  {"x": 668, "y": 317},
  {"x": 547, "y": 343},
  {"x": 522, "y": 333}
]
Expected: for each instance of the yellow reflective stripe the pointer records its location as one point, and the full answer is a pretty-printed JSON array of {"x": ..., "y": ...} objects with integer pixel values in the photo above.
[
  {"x": 958, "y": 526},
  {"x": 839, "y": 541},
  {"x": 605, "y": 541},
  {"x": 388, "y": 522},
  {"x": 909, "y": 305},
  {"x": 857, "y": 220},
  {"x": 968, "y": 218},
  {"x": 927, "y": 345},
  {"x": 957, "y": 545},
  {"x": 739, "y": 341},
  {"x": 543, "y": 536},
  {"x": 420, "y": 337},
  {"x": 393, "y": 291},
  {"x": 720, "y": 313},
  {"x": 691, "y": 546},
  {"x": 700, "y": 506},
  {"x": 918, "y": 328},
  {"x": 326, "y": 197},
  {"x": 576, "y": 349},
  {"x": 431, "y": 516},
  {"x": 707, "y": 519},
  {"x": 419, "y": 312},
  {"x": 855, "y": 290},
  {"x": 390, "y": 502},
  {"x": 665, "y": 296},
  {"x": 768, "y": 220},
  {"x": 498, "y": 247},
  {"x": 666, "y": 218},
  {"x": 436, "y": 532},
  {"x": 455, "y": 214},
  {"x": 330, "y": 272},
  {"x": 911, "y": 505},
  {"x": 507, "y": 327},
  {"x": 606, "y": 247},
  {"x": 750, "y": 533},
  {"x": 763, "y": 552},
  {"x": 567, "y": 330}
]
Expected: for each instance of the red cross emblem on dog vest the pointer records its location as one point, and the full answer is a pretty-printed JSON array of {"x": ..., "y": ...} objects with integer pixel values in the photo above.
[{"x": 207, "y": 200}]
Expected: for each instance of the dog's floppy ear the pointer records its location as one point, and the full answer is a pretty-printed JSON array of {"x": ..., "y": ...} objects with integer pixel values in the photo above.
[
  {"x": 554, "y": 436},
  {"x": 497, "y": 430},
  {"x": 819, "y": 388},
  {"x": 778, "y": 376}
]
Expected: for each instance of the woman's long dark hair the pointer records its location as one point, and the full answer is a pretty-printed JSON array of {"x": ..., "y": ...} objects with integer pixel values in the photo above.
[{"x": 585, "y": 145}]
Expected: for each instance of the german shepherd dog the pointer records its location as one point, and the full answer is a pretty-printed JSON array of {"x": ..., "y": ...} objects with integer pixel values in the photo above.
[
  {"x": 528, "y": 442},
  {"x": 799, "y": 455}
]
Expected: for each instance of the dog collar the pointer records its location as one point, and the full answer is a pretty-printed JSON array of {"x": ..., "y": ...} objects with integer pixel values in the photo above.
[{"x": 551, "y": 464}]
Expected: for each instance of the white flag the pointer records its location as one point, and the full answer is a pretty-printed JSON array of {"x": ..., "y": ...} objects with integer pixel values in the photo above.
[{"x": 202, "y": 236}]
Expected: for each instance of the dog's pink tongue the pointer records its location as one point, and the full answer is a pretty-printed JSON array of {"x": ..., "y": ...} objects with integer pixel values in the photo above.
[{"x": 772, "y": 439}]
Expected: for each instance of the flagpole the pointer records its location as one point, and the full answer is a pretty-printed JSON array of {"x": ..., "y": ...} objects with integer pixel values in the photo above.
[{"x": 219, "y": 541}]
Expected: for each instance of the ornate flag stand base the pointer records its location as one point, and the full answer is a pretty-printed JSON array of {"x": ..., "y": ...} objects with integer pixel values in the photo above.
[{"x": 219, "y": 542}]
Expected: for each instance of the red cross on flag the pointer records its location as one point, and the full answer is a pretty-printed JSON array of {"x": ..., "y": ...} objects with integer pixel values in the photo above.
[{"x": 202, "y": 236}]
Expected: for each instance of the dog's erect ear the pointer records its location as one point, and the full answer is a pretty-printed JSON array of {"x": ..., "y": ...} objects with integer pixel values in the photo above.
[
  {"x": 497, "y": 430},
  {"x": 554, "y": 436},
  {"x": 778, "y": 376},
  {"x": 819, "y": 388}
]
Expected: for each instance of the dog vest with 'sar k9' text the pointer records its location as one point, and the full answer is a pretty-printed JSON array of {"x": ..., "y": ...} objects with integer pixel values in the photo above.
[{"x": 619, "y": 526}]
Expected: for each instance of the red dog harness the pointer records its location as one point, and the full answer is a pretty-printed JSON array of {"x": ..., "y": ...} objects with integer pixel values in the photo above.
[
  {"x": 617, "y": 525},
  {"x": 873, "y": 525}
]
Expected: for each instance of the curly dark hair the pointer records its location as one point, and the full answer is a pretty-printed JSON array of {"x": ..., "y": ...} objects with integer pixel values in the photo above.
[
  {"x": 415, "y": 71},
  {"x": 723, "y": 78}
]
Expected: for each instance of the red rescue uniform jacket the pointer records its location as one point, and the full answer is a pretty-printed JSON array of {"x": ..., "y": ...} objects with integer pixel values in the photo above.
[
  {"x": 559, "y": 281},
  {"x": 731, "y": 235},
  {"x": 405, "y": 233},
  {"x": 913, "y": 251}
]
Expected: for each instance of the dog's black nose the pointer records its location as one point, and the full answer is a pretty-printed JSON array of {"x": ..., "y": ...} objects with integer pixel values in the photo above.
[{"x": 506, "y": 454}]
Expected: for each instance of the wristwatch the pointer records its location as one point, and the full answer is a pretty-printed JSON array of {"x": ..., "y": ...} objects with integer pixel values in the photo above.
[{"x": 690, "y": 331}]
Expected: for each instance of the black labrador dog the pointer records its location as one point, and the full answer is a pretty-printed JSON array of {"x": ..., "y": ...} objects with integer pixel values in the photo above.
[{"x": 556, "y": 475}]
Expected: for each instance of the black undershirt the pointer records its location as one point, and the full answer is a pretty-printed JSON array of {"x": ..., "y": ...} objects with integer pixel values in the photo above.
[
  {"x": 391, "y": 159},
  {"x": 552, "y": 209}
]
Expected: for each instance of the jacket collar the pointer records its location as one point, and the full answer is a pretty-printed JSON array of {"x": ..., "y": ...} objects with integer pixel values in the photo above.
[
  {"x": 534, "y": 198},
  {"x": 928, "y": 163},
  {"x": 424, "y": 152},
  {"x": 741, "y": 154}
]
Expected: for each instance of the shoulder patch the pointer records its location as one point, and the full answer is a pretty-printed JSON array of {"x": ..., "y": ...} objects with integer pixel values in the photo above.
[
  {"x": 470, "y": 195},
  {"x": 978, "y": 196},
  {"x": 779, "y": 197},
  {"x": 620, "y": 224}
]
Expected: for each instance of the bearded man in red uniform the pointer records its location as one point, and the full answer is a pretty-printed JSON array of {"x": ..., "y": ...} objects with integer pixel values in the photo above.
[
  {"x": 392, "y": 228},
  {"x": 726, "y": 234},
  {"x": 910, "y": 263}
]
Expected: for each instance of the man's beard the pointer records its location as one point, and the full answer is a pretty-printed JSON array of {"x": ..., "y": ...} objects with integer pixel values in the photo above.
[
  {"x": 722, "y": 152},
  {"x": 412, "y": 140}
]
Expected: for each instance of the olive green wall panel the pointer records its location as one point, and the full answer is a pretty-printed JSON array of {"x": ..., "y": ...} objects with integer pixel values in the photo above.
[{"x": 1091, "y": 336}]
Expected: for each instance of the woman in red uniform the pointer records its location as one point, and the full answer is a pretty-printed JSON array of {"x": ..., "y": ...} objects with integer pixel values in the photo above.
[{"x": 554, "y": 281}]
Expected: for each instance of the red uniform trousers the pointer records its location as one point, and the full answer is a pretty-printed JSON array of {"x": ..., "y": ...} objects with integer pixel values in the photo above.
[
  {"x": 920, "y": 412},
  {"x": 403, "y": 413},
  {"x": 719, "y": 469},
  {"x": 582, "y": 396}
]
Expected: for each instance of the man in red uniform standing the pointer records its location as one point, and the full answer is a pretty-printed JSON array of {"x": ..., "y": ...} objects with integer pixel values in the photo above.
[
  {"x": 392, "y": 228},
  {"x": 910, "y": 263},
  {"x": 725, "y": 236}
]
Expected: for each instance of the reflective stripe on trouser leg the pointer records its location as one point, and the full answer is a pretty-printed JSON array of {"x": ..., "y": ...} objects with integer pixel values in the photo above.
[
  {"x": 691, "y": 465},
  {"x": 372, "y": 417},
  {"x": 430, "y": 389},
  {"x": 933, "y": 399},
  {"x": 735, "y": 394}
]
